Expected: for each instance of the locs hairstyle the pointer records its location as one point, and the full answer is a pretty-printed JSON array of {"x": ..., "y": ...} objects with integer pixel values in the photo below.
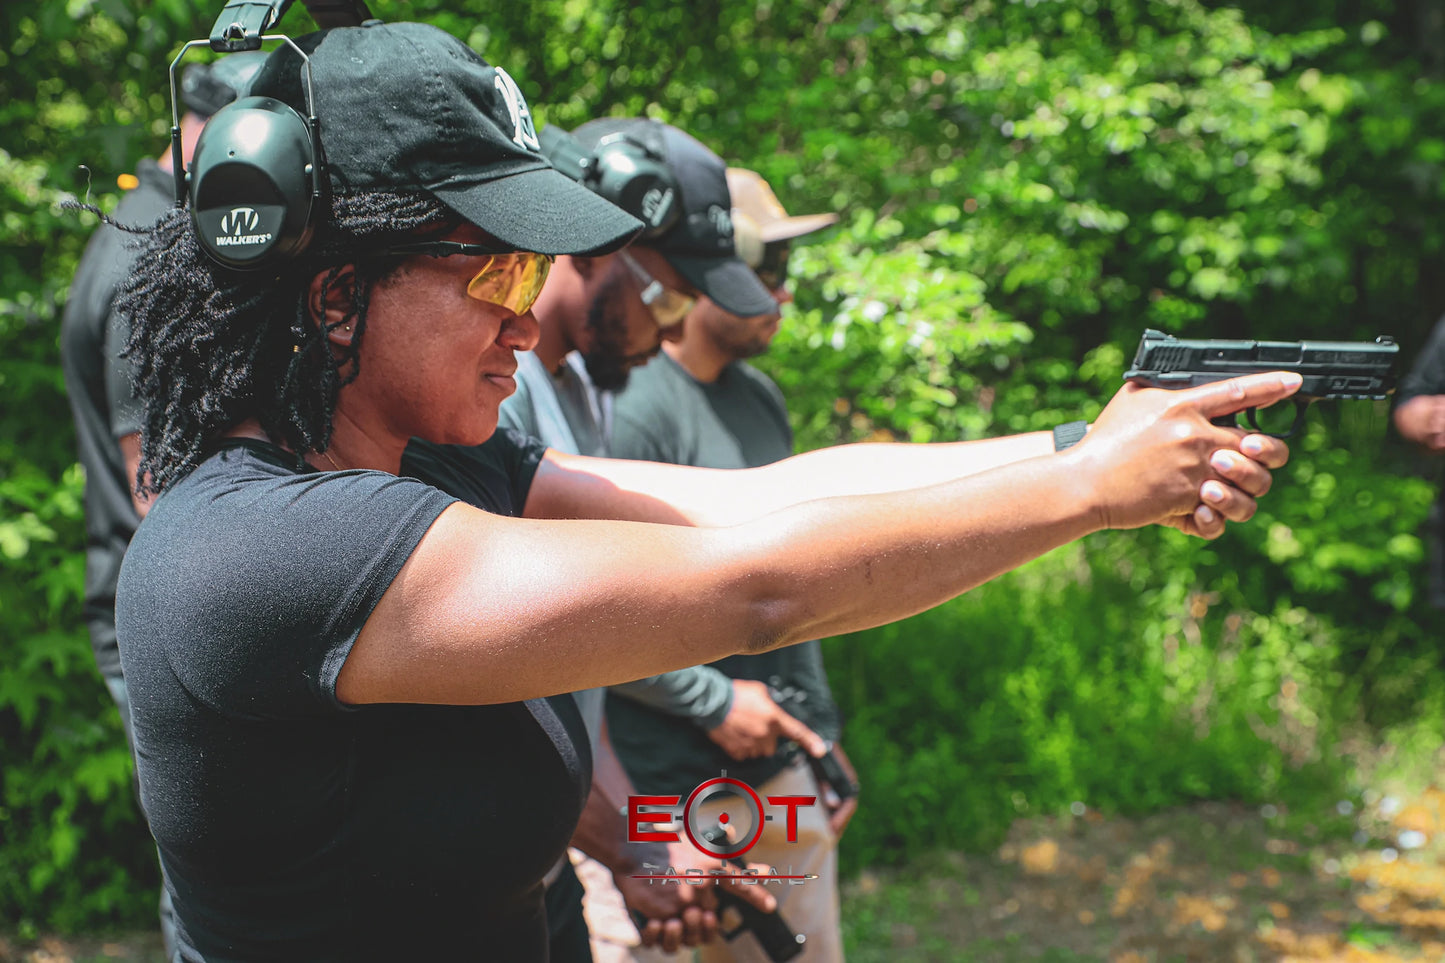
[{"x": 212, "y": 347}]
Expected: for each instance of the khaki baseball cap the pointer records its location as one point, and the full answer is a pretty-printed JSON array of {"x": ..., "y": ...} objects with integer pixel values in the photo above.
[{"x": 766, "y": 220}]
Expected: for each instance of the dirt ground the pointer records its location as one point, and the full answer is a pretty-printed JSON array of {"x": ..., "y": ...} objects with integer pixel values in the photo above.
[{"x": 1211, "y": 883}]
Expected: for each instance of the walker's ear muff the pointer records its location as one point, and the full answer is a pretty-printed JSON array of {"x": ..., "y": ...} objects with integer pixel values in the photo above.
[
  {"x": 625, "y": 170},
  {"x": 255, "y": 184}
]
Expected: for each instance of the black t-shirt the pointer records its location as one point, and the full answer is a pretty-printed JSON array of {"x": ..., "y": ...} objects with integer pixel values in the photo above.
[
  {"x": 99, "y": 385},
  {"x": 738, "y": 421},
  {"x": 291, "y": 826}
]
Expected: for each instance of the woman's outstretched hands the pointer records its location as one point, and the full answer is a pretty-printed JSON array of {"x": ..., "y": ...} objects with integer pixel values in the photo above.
[{"x": 1153, "y": 456}]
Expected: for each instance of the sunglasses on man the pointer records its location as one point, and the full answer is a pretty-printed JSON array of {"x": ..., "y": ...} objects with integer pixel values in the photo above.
[
  {"x": 668, "y": 306},
  {"x": 509, "y": 279},
  {"x": 773, "y": 270}
]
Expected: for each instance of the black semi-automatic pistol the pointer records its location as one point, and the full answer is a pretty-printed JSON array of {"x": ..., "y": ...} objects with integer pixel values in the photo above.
[{"x": 1331, "y": 369}]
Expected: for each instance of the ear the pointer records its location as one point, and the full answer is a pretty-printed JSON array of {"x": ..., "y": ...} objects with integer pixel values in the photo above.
[{"x": 334, "y": 304}]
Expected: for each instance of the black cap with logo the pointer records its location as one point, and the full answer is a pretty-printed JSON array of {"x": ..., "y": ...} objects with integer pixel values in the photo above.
[
  {"x": 700, "y": 241},
  {"x": 407, "y": 106}
]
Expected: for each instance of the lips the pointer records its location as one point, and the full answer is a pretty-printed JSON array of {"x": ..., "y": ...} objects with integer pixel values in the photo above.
[{"x": 505, "y": 380}]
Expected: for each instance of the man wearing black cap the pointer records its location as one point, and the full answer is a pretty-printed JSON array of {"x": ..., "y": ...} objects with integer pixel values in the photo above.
[
  {"x": 107, "y": 417},
  {"x": 702, "y": 404},
  {"x": 601, "y": 317}
]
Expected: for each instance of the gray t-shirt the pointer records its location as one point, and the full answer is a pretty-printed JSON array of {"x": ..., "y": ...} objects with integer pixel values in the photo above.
[
  {"x": 738, "y": 421},
  {"x": 98, "y": 382},
  {"x": 564, "y": 411}
]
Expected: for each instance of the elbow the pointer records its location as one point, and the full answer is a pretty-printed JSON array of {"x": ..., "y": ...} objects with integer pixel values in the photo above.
[{"x": 774, "y": 623}]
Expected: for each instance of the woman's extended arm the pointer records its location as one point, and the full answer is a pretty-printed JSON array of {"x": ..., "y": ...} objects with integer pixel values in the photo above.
[
  {"x": 651, "y": 491},
  {"x": 490, "y": 609}
]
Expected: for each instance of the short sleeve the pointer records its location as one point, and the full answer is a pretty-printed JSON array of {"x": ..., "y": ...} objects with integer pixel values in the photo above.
[{"x": 251, "y": 587}]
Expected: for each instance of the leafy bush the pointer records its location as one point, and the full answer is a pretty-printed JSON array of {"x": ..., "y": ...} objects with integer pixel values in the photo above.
[{"x": 1024, "y": 188}]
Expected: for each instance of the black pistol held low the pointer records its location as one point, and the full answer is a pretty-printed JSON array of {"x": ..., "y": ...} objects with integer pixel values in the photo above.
[{"x": 1331, "y": 369}]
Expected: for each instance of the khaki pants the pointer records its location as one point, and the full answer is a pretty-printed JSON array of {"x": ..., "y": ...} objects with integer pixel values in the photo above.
[{"x": 809, "y": 907}]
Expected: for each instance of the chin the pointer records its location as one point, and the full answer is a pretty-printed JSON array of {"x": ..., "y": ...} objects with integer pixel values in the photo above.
[{"x": 465, "y": 432}]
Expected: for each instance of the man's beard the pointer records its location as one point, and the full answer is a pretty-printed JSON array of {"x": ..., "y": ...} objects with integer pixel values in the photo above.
[{"x": 608, "y": 362}]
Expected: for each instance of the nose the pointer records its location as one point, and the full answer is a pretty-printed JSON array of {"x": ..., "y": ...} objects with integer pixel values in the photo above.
[
  {"x": 782, "y": 295},
  {"x": 520, "y": 332}
]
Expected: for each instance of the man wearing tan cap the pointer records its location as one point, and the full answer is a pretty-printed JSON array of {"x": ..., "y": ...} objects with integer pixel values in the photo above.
[{"x": 700, "y": 403}]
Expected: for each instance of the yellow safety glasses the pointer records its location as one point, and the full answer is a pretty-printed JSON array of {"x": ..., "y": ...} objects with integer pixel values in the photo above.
[{"x": 509, "y": 279}]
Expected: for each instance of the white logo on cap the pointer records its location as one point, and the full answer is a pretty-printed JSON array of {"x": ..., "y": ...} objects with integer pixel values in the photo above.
[
  {"x": 722, "y": 220},
  {"x": 523, "y": 131}
]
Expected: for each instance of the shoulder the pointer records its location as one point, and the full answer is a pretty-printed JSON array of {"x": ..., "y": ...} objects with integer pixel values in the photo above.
[
  {"x": 495, "y": 476},
  {"x": 651, "y": 416},
  {"x": 252, "y": 503},
  {"x": 757, "y": 381}
]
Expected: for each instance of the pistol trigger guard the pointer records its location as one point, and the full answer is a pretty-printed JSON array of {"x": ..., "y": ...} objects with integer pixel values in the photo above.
[{"x": 1299, "y": 420}]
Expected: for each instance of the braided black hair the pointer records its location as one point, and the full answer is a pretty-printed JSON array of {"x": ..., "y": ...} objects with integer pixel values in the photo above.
[{"x": 212, "y": 347}]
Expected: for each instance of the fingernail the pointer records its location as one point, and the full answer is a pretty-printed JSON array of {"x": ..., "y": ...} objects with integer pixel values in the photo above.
[
  {"x": 1212, "y": 491},
  {"x": 1205, "y": 514},
  {"x": 1222, "y": 461},
  {"x": 1291, "y": 379},
  {"x": 1252, "y": 445}
]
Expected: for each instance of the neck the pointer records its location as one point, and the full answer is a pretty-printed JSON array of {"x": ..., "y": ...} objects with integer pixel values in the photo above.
[
  {"x": 698, "y": 356},
  {"x": 351, "y": 446},
  {"x": 552, "y": 344}
]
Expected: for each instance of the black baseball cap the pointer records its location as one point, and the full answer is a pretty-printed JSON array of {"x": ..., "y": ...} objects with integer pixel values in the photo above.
[
  {"x": 407, "y": 106},
  {"x": 700, "y": 245},
  {"x": 206, "y": 88}
]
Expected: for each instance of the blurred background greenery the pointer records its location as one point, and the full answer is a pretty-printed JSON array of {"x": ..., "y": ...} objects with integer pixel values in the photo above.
[{"x": 1024, "y": 187}]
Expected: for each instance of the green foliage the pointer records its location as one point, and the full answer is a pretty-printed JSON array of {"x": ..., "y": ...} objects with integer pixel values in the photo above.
[{"x": 1024, "y": 188}]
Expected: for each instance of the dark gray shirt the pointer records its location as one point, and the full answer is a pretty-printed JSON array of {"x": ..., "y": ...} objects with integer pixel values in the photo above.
[
  {"x": 564, "y": 411},
  {"x": 738, "y": 421},
  {"x": 98, "y": 382}
]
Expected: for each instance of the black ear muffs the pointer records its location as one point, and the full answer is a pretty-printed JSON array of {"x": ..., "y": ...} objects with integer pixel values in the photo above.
[
  {"x": 254, "y": 184},
  {"x": 623, "y": 169},
  {"x": 636, "y": 178}
]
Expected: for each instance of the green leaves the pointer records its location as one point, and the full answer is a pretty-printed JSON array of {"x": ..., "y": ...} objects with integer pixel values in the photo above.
[{"x": 1023, "y": 188}]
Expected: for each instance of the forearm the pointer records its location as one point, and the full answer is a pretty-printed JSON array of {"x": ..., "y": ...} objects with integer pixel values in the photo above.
[
  {"x": 700, "y": 694},
  {"x": 876, "y": 568},
  {"x": 669, "y": 494}
]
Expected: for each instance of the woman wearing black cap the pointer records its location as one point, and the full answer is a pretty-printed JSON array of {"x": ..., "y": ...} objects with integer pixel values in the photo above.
[{"x": 338, "y": 673}]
